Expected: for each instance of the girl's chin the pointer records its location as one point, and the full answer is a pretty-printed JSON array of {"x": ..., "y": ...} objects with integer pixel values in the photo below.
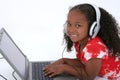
[{"x": 74, "y": 40}]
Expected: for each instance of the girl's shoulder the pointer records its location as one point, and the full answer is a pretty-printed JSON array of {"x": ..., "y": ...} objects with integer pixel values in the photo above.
[
  {"x": 96, "y": 43},
  {"x": 95, "y": 48},
  {"x": 95, "y": 40}
]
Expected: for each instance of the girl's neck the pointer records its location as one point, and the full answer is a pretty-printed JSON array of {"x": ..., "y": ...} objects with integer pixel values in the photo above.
[{"x": 83, "y": 43}]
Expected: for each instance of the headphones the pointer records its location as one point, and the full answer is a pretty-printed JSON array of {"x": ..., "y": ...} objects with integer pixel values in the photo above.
[{"x": 95, "y": 27}]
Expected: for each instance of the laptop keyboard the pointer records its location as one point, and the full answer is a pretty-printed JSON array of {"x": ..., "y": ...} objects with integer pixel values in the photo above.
[{"x": 37, "y": 71}]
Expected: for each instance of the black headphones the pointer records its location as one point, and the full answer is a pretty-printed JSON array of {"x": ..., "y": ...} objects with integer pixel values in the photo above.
[{"x": 95, "y": 27}]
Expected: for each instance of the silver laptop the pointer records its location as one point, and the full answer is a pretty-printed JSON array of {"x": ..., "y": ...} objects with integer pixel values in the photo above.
[{"x": 19, "y": 62}]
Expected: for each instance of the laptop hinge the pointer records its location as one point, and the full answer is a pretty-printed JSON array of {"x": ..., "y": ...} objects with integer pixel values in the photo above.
[{"x": 26, "y": 68}]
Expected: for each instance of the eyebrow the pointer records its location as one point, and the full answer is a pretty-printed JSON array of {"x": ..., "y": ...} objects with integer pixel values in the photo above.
[{"x": 75, "y": 22}]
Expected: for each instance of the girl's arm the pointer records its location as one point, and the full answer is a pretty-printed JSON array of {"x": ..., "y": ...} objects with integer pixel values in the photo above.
[
  {"x": 85, "y": 72},
  {"x": 52, "y": 71},
  {"x": 92, "y": 68},
  {"x": 73, "y": 62},
  {"x": 66, "y": 61},
  {"x": 62, "y": 65},
  {"x": 74, "y": 67}
]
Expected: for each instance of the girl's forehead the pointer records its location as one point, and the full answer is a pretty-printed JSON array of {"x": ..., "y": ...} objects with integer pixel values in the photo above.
[{"x": 77, "y": 15}]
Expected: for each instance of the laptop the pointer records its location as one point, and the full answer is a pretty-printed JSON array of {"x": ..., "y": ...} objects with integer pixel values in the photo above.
[{"x": 19, "y": 62}]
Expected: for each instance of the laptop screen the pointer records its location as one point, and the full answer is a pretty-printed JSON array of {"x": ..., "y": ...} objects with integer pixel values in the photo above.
[{"x": 12, "y": 53}]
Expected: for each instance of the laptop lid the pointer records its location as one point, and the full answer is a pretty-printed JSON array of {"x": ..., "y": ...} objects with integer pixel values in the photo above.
[{"x": 13, "y": 54}]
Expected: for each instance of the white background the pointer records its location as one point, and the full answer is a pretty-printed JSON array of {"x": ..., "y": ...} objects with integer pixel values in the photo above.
[{"x": 36, "y": 26}]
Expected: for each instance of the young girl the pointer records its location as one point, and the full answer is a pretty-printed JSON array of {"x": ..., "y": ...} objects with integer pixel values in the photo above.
[{"x": 93, "y": 32}]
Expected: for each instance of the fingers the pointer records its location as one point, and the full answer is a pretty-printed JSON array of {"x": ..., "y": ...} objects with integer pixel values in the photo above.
[
  {"x": 52, "y": 74},
  {"x": 49, "y": 73}
]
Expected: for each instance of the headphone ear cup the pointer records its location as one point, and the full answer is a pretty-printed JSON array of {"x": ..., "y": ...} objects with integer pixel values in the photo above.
[
  {"x": 65, "y": 30},
  {"x": 92, "y": 29}
]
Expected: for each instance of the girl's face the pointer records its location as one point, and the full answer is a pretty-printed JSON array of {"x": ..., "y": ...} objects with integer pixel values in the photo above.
[{"x": 77, "y": 26}]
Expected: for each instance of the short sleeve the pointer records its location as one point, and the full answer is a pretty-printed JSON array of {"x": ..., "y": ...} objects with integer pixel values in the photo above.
[{"x": 94, "y": 49}]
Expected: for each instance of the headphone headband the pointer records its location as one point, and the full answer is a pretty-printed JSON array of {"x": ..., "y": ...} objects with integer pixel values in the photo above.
[
  {"x": 98, "y": 14},
  {"x": 96, "y": 25}
]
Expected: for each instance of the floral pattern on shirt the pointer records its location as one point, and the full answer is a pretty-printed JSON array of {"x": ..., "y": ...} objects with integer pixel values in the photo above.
[{"x": 95, "y": 48}]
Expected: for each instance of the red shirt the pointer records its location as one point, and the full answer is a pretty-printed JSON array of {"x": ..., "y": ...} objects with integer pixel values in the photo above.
[{"x": 95, "y": 48}]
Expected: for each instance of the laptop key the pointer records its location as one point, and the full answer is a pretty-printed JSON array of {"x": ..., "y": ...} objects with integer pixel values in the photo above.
[{"x": 37, "y": 70}]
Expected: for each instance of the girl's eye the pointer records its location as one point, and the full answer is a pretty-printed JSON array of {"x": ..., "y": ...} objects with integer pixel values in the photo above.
[
  {"x": 68, "y": 25},
  {"x": 77, "y": 25}
]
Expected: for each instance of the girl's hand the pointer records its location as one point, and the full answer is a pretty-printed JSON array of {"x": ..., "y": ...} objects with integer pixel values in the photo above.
[{"x": 53, "y": 70}]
